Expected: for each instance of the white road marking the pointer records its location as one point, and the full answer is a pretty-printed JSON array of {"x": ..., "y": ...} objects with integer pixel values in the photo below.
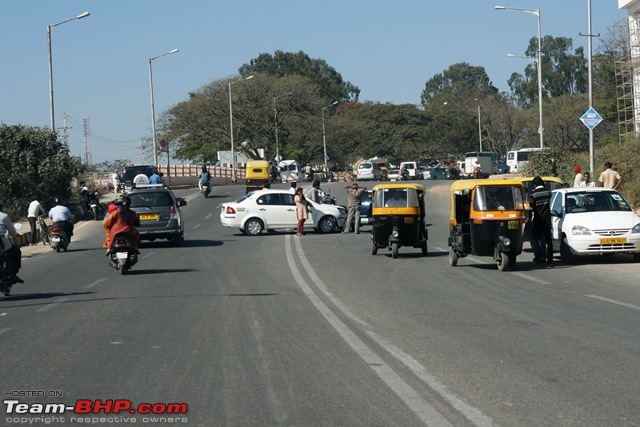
[
  {"x": 95, "y": 282},
  {"x": 149, "y": 254},
  {"x": 3, "y": 330},
  {"x": 533, "y": 279},
  {"x": 427, "y": 413},
  {"x": 53, "y": 304},
  {"x": 196, "y": 226},
  {"x": 612, "y": 301},
  {"x": 469, "y": 257},
  {"x": 208, "y": 216}
]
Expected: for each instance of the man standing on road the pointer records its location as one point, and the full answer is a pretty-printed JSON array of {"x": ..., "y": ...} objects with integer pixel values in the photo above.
[
  {"x": 35, "y": 209},
  {"x": 610, "y": 178},
  {"x": 353, "y": 205},
  {"x": 541, "y": 230}
]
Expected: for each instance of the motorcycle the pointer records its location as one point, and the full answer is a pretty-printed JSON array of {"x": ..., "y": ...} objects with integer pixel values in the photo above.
[
  {"x": 123, "y": 254},
  {"x": 327, "y": 199},
  {"x": 206, "y": 189},
  {"x": 58, "y": 238},
  {"x": 96, "y": 207},
  {"x": 5, "y": 283}
]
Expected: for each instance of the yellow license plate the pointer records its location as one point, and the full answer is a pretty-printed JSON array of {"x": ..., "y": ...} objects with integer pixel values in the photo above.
[
  {"x": 612, "y": 240},
  {"x": 408, "y": 220},
  {"x": 148, "y": 217},
  {"x": 514, "y": 225}
]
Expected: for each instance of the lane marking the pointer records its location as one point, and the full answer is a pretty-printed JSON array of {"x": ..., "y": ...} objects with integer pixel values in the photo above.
[
  {"x": 92, "y": 284},
  {"x": 473, "y": 414},
  {"x": 53, "y": 304},
  {"x": 208, "y": 216},
  {"x": 147, "y": 255},
  {"x": 3, "y": 330},
  {"x": 533, "y": 279},
  {"x": 612, "y": 301},
  {"x": 196, "y": 226}
]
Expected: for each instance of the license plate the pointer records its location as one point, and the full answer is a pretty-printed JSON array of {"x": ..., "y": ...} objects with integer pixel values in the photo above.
[
  {"x": 514, "y": 225},
  {"x": 408, "y": 220},
  {"x": 148, "y": 217},
  {"x": 612, "y": 240}
]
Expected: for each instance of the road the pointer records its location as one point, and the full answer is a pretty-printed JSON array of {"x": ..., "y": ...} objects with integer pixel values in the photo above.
[{"x": 314, "y": 330}]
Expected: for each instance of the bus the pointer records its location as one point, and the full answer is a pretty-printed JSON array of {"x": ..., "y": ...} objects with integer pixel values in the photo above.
[
  {"x": 518, "y": 159},
  {"x": 487, "y": 160}
]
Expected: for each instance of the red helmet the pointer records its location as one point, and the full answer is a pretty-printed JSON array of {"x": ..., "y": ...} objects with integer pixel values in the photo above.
[{"x": 577, "y": 169}]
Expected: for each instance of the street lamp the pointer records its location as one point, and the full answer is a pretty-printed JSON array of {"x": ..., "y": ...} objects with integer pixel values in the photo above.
[
  {"x": 153, "y": 110},
  {"x": 275, "y": 123},
  {"x": 479, "y": 125},
  {"x": 511, "y": 55},
  {"x": 535, "y": 12},
  {"x": 233, "y": 152},
  {"x": 49, "y": 27},
  {"x": 324, "y": 140}
]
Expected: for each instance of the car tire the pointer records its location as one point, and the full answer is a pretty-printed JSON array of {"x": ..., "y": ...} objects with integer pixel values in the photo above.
[
  {"x": 177, "y": 240},
  {"x": 253, "y": 227},
  {"x": 565, "y": 253},
  {"x": 327, "y": 224},
  {"x": 636, "y": 257}
]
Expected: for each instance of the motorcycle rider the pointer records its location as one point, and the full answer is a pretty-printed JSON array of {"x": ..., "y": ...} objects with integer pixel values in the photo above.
[
  {"x": 204, "y": 176},
  {"x": 12, "y": 252},
  {"x": 61, "y": 217},
  {"x": 314, "y": 193},
  {"x": 122, "y": 221},
  {"x": 84, "y": 200}
]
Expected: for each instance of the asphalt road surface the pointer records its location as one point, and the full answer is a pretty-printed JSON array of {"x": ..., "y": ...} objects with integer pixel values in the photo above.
[{"x": 314, "y": 330}]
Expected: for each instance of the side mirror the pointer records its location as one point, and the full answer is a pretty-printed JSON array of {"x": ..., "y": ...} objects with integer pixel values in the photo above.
[
  {"x": 182, "y": 202},
  {"x": 555, "y": 213}
]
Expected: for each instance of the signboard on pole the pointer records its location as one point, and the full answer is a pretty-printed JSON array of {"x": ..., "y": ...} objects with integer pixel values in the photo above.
[{"x": 591, "y": 118}]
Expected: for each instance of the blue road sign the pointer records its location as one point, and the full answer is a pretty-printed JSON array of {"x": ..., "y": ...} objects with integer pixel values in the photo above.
[{"x": 591, "y": 118}]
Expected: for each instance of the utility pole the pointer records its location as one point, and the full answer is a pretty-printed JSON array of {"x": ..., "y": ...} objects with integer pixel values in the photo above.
[
  {"x": 65, "y": 134},
  {"x": 87, "y": 142}
]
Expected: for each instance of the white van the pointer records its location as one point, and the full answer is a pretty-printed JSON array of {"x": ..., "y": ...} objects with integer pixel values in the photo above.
[
  {"x": 412, "y": 169},
  {"x": 289, "y": 170},
  {"x": 368, "y": 171}
]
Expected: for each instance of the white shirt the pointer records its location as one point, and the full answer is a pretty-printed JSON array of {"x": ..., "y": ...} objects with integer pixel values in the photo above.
[
  {"x": 577, "y": 181},
  {"x": 590, "y": 184},
  {"x": 6, "y": 225},
  {"x": 34, "y": 208},
  {"x": 395, "y": 203},
  {"x": 60, "y": 213}
]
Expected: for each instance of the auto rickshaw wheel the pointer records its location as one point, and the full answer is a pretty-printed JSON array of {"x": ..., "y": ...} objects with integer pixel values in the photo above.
[
  {"x": 374, "y": 249},
  {"x": 394, "y": 250},
  {"x": 502, "y": 262},
  {"x": 453, "y": 257},
  {"x": 424, "y": 247}
]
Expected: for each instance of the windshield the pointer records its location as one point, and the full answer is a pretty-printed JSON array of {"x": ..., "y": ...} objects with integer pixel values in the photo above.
[
  {"x": 498, "y": 198},
  {"x": 396, "y": 197},
  {"x": 596, "y": 201}
]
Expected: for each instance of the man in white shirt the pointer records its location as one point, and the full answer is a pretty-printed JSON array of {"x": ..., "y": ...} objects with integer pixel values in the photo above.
[
  {"x": 35, "y": 208},
  {"x": 395, "y": 201},
  {"x": 62, "y": 216}
]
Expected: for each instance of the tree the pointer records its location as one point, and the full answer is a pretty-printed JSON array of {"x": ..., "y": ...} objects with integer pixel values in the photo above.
[
  {"x": 563, "y": 72},
  {"x": 33, "y": 161},
  {"x": 282, "y": 64},
  {"x": 460, "y": 80},
  {"x": 109, "y": 166}
]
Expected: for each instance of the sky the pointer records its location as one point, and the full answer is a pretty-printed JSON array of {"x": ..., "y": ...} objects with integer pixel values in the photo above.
[{"x": 388, "y": 48}]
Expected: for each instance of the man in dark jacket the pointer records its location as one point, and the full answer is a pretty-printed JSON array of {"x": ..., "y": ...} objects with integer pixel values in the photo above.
[{"x": 541, "y": 229}]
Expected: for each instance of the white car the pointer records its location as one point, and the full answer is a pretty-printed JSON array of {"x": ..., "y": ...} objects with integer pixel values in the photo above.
[
  {"x": 275, "y": 210},
  {"x": 394, "y": 175},
  {"x": 596, "y": 220}
]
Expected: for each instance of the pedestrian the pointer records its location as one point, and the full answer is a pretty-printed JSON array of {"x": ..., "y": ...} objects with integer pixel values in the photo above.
[
  {"x": 541, "y": 229},
  {"x": 156, "y": 178},
  {"x": 12, "y": 252},
  {"x": 35, "y": 208},
  {"x": 578, "y": 178},
  {"x": 586, "y": 180},
  {"x": 293, "y": 190},
  {"x": 610, "y": 178},
  {"x": 353, "y": 205},
  {"x": 115, "y": 181},
  {"x": 313, "y": 193},
  {"x": 302, "y": 211}
]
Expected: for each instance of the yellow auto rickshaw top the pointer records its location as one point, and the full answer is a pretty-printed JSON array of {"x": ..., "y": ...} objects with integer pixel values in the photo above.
[
  {"x": 462, "y": 184},
  {"x": 395, "y": 185}
]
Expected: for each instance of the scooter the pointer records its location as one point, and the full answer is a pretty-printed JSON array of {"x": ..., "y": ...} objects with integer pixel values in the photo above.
[
  {"x": 123, "y": 254},
  {"x": 5, "y": 283},
  {"x": 58, "y": 238},
  {"x": 205, "y": 189},
  {"x": 96, "y": 207}
]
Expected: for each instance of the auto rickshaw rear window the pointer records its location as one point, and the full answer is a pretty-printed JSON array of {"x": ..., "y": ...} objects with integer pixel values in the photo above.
[{"x": 495, "y": 198}]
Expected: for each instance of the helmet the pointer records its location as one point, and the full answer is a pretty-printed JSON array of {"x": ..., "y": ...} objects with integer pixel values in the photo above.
[
  {"x": 122, "y": 201},
  {"x": 57, "y": 200}
]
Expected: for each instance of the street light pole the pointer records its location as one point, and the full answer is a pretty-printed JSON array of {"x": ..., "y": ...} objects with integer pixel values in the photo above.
[
  {"x": 275, "y": 123},
  {"x": 153, "y": 109},
  {"x": 324, "y": 139},
  {"x": 479, "y": 126},
  {"x": 49, "y": 27},
  {"x": 535, "y": 12},
  {"x": 233, "y": 152}
]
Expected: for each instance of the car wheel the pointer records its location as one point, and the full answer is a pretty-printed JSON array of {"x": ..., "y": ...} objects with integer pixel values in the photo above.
[
  {"x": 177, "y": 240},
  {"x": 253, "y": 227},
  {"x": 636, "y": 257},
  {"x": 565, "y": 253},
  {"x": 327, "y": 224}
]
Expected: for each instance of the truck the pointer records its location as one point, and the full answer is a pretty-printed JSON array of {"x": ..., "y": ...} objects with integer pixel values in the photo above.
[{"x": 487, "y": 160}]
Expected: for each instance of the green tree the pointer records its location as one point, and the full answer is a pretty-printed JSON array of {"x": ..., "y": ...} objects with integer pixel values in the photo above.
[
  {"x": 281, "y": 64},
  {"x": 460, "y": 80},
  {"x": 33, "y": 161},
  {"x": 109, "y": 166}
]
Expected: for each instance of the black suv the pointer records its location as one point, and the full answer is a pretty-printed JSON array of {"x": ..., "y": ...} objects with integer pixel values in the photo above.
[{"x": 130, "y": 172}]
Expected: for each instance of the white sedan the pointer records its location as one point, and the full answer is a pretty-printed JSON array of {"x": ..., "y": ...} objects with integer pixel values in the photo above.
[
  {"x": 275, "y": 210},
  {"x": 594, "y": 220}
]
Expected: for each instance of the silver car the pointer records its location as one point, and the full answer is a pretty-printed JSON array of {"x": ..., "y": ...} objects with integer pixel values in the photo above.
[{"x": 159, "y": 212}]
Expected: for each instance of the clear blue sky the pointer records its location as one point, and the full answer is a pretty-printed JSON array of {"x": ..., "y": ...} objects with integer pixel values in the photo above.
[{"x": 388, "y": 48}]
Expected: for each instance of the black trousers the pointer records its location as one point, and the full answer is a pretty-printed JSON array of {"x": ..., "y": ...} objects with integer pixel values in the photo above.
[
  {"x": 541, "y": 242},
  {"x": 34, "y": 234},
  {"x": 14, "y": 260}
]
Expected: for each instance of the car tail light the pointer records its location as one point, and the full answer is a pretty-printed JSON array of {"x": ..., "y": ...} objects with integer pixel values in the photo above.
[
  {"x": 174, "y": 213},
  {"x": 230, "y": 210}
]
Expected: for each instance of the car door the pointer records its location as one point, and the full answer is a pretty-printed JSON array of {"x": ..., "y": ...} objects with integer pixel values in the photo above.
[
  {"x": 289, "y": 217},
  {"x": 557, "y": 215},
  {"x": 270, "y": 209}
]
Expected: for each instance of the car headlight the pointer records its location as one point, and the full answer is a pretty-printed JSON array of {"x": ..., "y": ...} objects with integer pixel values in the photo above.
[
  {"x": 636, "y": 229},
  {"x": 506, "y": 241},
  {"x": 578, "y": 230}
]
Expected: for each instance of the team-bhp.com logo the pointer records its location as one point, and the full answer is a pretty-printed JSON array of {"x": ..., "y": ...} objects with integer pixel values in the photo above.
[{"x": 97, "y": 406}]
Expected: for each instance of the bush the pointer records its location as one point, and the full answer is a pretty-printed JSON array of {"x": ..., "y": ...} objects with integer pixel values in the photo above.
[{"x": 625, "y": 158}]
